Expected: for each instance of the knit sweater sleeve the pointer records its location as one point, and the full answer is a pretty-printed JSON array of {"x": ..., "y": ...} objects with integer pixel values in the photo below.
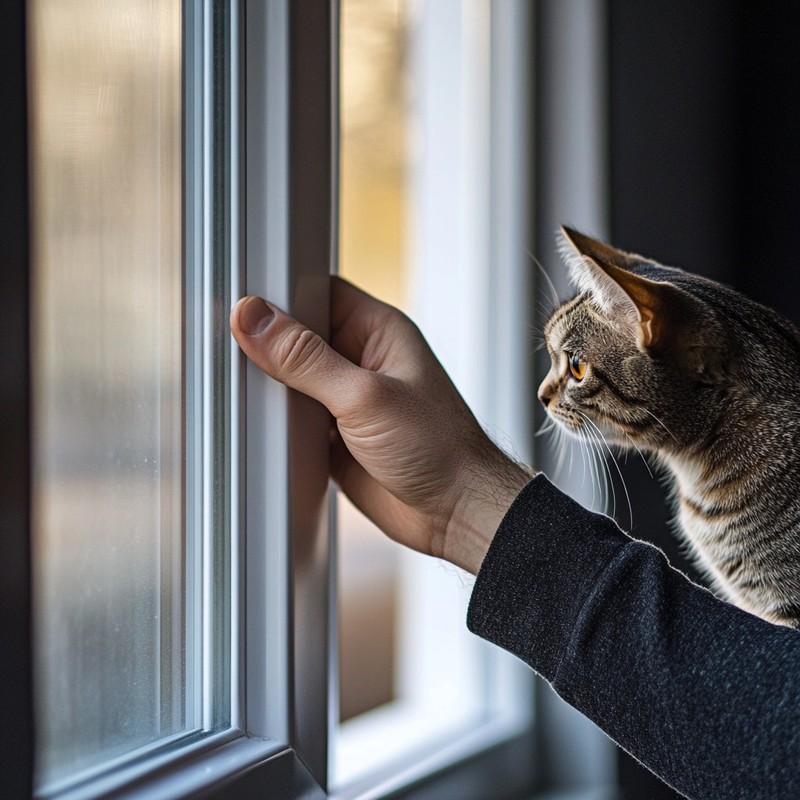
[{"x": 704, "y": 694}]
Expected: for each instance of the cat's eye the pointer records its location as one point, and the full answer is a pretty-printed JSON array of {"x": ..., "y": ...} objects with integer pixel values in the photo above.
[{"x": 577, "y": 366}]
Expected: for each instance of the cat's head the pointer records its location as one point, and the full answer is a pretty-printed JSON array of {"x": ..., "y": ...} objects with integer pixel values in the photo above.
[{"x": 643, "y": 353}]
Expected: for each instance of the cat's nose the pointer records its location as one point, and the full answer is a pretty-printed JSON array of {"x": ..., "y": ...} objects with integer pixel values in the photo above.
[{"x": 545, "y": 396}]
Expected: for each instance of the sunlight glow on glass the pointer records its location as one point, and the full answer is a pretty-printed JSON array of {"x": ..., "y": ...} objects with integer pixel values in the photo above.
[{"x": 107, "y": 363}]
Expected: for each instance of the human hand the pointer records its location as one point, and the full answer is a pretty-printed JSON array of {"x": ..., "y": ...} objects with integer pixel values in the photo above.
[{"x": 408, "y": 452}]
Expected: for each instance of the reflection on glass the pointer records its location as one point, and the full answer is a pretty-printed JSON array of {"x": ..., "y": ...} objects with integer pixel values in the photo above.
[
  {"x": 108, "y": 496},
  {"x": 373, "y": 240}
]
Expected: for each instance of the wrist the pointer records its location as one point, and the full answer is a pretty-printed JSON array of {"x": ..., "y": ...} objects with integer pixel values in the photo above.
[{"x": 484, "y": 501}]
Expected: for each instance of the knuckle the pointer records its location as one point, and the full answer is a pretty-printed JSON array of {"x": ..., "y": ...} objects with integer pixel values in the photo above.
[
  {"x": 399, "y": 320},
  {"x": 299, "y": 352}
]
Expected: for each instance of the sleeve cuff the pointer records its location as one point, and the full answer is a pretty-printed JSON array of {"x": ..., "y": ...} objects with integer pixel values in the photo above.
[{"x": 538, "y": 572}]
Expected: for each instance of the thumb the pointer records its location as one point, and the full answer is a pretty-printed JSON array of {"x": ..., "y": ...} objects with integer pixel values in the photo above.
[{"x": 294, "y": 355}]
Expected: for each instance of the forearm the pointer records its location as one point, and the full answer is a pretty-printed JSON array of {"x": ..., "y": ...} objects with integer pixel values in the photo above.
[
  {"x": 696, "y": 689},
  {"x": 485, "y": 500}
]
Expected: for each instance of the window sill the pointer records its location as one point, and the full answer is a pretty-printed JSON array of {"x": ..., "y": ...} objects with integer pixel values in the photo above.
[{"x": 198, "y": 768}]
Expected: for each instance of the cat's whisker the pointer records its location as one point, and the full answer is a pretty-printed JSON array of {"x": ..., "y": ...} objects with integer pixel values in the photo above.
[
  {"x": 561, "y": 452},
  {"x": 616, "y": 465},
  {"x": 548, "y": 281},
  {"x": 624, "y": 487},
  {"x": 594, "y": 469},
  {"x": 548, "y": 425},
  {"x": 607, "y": 476},
  {"x": 608, "y": 480},
  {"x": 566, "y": 453},
  {"x": 571, "y": 454},
  {"x": 647, "y": 411},
  {"x": 545, "y": 309},
  {"x": 596, "y": 459},
  {"x": 566, "y": 445},
  {"x": 583, "y": 461},
  {"x": 641, "y": 455}
]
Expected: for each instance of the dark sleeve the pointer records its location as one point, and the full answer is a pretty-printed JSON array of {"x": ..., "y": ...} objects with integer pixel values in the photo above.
[{"x": 702, "y": 693}]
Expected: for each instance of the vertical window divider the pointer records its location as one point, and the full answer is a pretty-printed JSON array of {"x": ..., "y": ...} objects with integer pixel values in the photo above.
[
  {"x": 212, "y": 263},
  {"x": 235, "y": 437},
  {"x": 310, "y": 241},
  {"x": 265, "y": 403},
  {"x": 288, "y": 239},
  {"x": 195, "y": 44},
  {"x": 205, "y": 461},
  {"x": 333, "y": 548}
]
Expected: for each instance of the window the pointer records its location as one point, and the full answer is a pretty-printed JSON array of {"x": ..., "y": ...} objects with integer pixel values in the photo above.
[
  {"x": 133, "y": 553},
  {"x": 422, "y": 170},
  {"x": 184, "y": 568}
]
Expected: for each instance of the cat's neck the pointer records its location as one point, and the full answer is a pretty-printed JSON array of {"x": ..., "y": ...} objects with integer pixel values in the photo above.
[{"x": 744, "y": 446}]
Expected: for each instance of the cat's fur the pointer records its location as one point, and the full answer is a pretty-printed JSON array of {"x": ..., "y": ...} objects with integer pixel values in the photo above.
[{"x": 709, "y": 382}]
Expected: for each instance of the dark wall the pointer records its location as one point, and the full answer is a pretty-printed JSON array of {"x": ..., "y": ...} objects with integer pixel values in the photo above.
[
  {"x": 705, "y": 132},
  {"x": 704, "y": 101},
  {"x": 16, "y": 699}
]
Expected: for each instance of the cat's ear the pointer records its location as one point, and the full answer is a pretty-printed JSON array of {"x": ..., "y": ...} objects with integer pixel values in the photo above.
[
  {"x": 603, "y": 272},
  {"x": 572, "y": 241}
]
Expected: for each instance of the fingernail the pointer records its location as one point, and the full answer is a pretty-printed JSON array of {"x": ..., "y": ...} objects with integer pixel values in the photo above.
[{"x": 254, "y": 316}]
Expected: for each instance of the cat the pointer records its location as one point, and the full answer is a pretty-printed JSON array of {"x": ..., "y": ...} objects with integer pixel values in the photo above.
[{"x": 708, "y": 382}]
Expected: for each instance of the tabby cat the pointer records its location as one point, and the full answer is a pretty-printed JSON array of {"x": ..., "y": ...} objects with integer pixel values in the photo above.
[{"x": 708, "y": 382}]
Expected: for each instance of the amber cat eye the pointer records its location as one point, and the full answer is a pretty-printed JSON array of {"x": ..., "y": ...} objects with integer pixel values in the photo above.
[{"x": 577, "y": 366}]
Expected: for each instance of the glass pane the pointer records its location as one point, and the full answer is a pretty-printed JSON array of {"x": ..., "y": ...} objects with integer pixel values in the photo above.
[
  {"x": 412, "y": 232},
  {"x": 108, "y": 341},
  {"x": 373, "y": 240}
]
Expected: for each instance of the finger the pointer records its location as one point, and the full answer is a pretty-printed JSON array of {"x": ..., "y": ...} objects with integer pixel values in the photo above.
[
  {"x": 355, "y": 317},
  {"x": 294, "y": 355},
  {"x": 348, "y": 300}
]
